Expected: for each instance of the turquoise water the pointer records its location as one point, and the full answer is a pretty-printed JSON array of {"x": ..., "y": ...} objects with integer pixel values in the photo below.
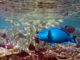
[
  {"x": 73, "y": 21},
  {"x": 4, "y": 24}
]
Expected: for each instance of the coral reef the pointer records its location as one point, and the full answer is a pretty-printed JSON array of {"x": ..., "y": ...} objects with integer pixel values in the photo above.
[{"x": 40, "y": 53}]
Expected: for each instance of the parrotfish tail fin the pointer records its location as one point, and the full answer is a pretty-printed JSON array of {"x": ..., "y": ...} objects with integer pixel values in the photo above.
[
  {"x": 64, "y": 43},
  {"x": 52, "y": 44},
  {"x": 49, "y": 34},
  {"x": 74, "y": 40},
  {"x": 74, "y": 37}
]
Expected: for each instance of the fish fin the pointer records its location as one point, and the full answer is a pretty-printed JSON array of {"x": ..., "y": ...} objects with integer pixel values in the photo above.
[
  {"x": 74, "y": 37},
  {"x": 52, "y": 44},
  {"x": 64, "y": 43},
  {"x": 73, "y": 40},
  {"x": 49, "y": 35}
]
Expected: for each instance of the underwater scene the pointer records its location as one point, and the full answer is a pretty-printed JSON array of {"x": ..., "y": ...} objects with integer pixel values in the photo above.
[{"x": 39, "y": 29}]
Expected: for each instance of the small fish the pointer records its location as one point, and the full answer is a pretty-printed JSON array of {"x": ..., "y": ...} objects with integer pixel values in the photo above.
[
  {"x": 55, "y": 35},
  {"x": 4, "y": 35},
  {"x": 69, "y": 29},
  {"x": 20, "y": 35}
]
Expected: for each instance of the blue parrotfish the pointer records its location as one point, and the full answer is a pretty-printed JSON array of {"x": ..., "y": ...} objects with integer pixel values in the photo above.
[{"x": 56, "y": 35}]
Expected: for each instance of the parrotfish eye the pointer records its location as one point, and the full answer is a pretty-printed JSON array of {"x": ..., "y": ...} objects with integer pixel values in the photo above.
[{"x": 37, "y": 32}]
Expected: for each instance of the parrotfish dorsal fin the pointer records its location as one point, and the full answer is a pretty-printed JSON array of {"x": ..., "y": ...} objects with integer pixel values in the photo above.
[{"x": 49, "y": 35}]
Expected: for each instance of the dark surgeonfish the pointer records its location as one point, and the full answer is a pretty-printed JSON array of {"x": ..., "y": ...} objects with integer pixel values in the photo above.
[
  {"x": 69, "y": 29},
  {"x": 20, "y": 35},
  {"x": 55, "y": 35}
]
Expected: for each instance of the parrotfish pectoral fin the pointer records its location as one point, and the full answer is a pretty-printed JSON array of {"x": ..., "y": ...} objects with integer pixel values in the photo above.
[
  {"x": 52, "y": 44},
  {"x": 49, "y": 35},
  {"x": 64, "y": 43}
]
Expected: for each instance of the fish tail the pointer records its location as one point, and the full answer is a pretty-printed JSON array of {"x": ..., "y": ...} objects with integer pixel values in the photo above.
[{"x": 73, "y": 39}]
